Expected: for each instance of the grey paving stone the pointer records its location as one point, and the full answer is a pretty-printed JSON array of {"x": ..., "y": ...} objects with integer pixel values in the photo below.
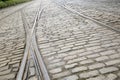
[
  {"x": 3, "y": 59},
  {"x": 62, "y": 74},
  {"x": 55, "y": 61},
  {"x": 16, "y": 65},
  {"x": 89, "y": 74},
  {"x": 96, "y": 65},
  {"x": 108, "y": 52},
  {"x": 64, "y": 50},
  {"x": 93, "y": 55},
  {"x": 15, "y": 69},
  {"x": 14, "y": 62},
  {"x": 33, "y": 78},
  {"x": 78, "y": 69},
  {"x": 70, "y": 57},
  {"x": 114, "y": 56},
  {"x": 76, "y": 60},
  {"x": 8, "y": 76},
  {"x": 108, "y": 70},
  {"x": 17, "y": 58},
  {"x": 56, "y": 70},
  {"x": 4, "y": 68},
  {"x": 88, "y": 61},
  {"x": 7, "y": 71},
  {"x": 72, "y": 77},
  {"x": 6, "y": 61},
  {"x": 71, "y": 65},
  {"x": 4, "y": 64},
  {"x": 93, "y": 48},
  {"x": 51, "y": 66},
  {"x": 86, "y": 53},
  {"x": 113, "y": 62},
  {"x": 102, "y": 58},
  {"x": 111, "y": 77},
  {"x": 101, "y": 77},
  {"x": 2, "y": 46},
  {"x": 80, "y": 51}
]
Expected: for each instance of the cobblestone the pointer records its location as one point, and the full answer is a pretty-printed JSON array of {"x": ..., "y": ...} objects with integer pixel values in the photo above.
[
  {"x": 12, "y": 37},
  {"x": 103, "y": 58},
  {"x": 114, "y": 56},
  {"x": 93, "y": 48},
  {"x": 8, "y": 76},
  {"x": 97, "y": 65},
  {"x": 5, "y": 72},
  {"x": 101, "y": 77},
  {"x": 70, "y": 57},
  {"x": 57, "y": 70},
  {"x": 113, "y": 62},
  {"x": 33, "y": 78},
  {"x": 4, "y": 68},
  {"x": 89, "y": 74},
  {"x": 111, "y": 77},
  {"x": 85, "y": 53},
  {"x": 71, "y": 65},
  {"x": 108, "y": 52},
  {"x": 76, "y": 60},
  {"x": 73, "y": 46},
  {"x": 55, "y": 61},
  {"x": 93, "y": 56},
  {"x": 78, "y": 69},
  {"x": 108, "y": 70},
  {"x": 73, "y": 77},
  {"x": 51, "y": 66},
  {"x": 64, "y": 50},
  {"x": 1, "y": 65},
  {"x": 76, "y": 52},
  {"x": 62, "y": 74},
  {"x": 88, "y": 61}
]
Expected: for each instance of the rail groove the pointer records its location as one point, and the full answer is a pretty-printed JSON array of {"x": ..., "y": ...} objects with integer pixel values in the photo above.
[
  {"x": 32, "y": 49},
  {"x": 87, "y": 17}
]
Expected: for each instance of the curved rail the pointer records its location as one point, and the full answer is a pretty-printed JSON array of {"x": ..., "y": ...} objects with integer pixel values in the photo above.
[
  {"x": 32, "y": 49},
  {"x": 87, "y": 17}
]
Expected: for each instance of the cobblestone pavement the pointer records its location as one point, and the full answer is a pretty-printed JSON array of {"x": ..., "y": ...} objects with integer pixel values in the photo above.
[
  {"x": 106, "y": 11},
  {"x": 12, "y": 38},
  {"x": 12, "y": 41},
  {"x": 75, "y": 48},
  {"x": 11, "y": 10}
]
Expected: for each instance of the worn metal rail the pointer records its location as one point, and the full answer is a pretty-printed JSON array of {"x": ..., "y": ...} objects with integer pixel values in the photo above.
[
  {"x": 31, "y": 48},
  {"x": 85, "y": 16}
]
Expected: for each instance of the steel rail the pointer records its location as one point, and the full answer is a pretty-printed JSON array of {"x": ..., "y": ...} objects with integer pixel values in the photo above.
[
  {"x": 27, "y": 48},
  {"x": 31, "y": 43},
  {"x": 40, "y": 60},
  {"x": 87, "y": 17},
  {"x": 40, "y": 63}
]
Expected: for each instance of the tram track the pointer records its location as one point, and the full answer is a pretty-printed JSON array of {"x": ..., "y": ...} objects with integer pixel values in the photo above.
[
  {"x": 86, "y": 17},
  {"x": 31, "y": 48}
]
